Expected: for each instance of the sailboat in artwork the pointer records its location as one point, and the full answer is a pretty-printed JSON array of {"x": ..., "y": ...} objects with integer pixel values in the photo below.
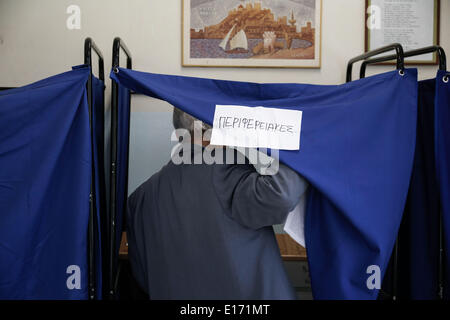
[{"x": 238, "y": 44}]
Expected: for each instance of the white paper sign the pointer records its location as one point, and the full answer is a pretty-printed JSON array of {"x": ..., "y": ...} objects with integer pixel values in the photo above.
[{"x": 257, "y": 127}]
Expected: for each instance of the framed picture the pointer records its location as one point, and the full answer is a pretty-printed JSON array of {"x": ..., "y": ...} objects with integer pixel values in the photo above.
[
  {"x": 412, "y": 23},
  {"x": 251, "y": 33}
]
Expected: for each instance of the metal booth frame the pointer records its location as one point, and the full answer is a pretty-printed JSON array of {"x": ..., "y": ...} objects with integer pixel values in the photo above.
[
  {"x": 118, "y": 46},
  {"x": 400, "y": 56},
  {"x": 89, "y": 46}
]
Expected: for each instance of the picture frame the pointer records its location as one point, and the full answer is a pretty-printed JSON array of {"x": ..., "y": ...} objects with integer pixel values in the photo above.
[
  {"x": 413, "y": 24},
  {"x": 252, "y": 33}
]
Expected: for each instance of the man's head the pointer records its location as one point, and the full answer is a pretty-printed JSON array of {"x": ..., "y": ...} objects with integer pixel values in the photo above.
[{"x": 182, "y": 120}]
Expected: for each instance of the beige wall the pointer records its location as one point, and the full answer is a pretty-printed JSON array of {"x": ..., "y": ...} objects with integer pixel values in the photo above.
[{"x": 35, "y": 43}]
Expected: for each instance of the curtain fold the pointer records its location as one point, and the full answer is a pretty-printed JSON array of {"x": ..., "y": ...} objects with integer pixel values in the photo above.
[{"x": 357, "y": 151}]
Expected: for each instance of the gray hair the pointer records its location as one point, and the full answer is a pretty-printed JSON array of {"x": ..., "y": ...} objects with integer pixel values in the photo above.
[{"x": 182, "y": 120}]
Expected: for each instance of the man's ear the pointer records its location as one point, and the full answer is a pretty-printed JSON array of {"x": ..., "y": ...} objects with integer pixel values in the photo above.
[{"x": 181, "y": 135}]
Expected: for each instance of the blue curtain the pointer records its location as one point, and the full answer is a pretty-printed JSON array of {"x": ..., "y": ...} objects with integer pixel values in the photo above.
[
  {"x": 442, "y": 155},
  {"x": 357, "y": 151},
  {"x": 418, "y": 239},
  {"x": 45, "y": 177},
  {"x": 419, "y": 235}
]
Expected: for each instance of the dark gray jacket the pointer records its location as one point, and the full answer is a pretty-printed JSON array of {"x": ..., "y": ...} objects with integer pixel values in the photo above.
[{"x": 205, "y": 232}]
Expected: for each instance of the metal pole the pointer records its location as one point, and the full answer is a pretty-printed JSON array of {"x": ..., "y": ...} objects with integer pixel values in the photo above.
[
  {"x": 395, "y": 46},
  {"x": 89, "y": 45},
  {"x": 118, "y": 44},
  {"x": 432, "y": 49}
]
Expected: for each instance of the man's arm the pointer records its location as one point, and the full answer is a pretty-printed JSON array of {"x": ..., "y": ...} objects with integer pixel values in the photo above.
[{"x": 255, "y": 200}]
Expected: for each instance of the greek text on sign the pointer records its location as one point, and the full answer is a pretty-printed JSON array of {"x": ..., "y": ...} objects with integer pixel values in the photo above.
[{"x": 257, "y": 127}]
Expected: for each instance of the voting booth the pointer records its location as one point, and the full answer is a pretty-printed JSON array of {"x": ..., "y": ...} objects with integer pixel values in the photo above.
[
  {"x": 377, "y": 116},
  {"x": 52, "y": 192},
  {"x": 375, "y": 152}
]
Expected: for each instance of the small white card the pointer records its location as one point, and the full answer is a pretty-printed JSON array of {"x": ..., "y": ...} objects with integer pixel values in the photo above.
[
  {"x": 295, "y": 222},
  {"x": 257, "y": 127}
]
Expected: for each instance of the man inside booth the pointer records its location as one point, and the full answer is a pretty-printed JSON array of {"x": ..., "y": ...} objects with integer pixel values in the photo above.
[{"x": 204, "y": 231}]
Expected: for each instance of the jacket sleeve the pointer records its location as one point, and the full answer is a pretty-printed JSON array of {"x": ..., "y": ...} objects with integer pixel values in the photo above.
[
  {"x": 255, "y": 200},
  {"x": 135, "y": 238}
]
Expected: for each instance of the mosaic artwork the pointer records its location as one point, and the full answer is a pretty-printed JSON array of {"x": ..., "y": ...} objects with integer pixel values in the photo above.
[{"x": 251, "y": 33}]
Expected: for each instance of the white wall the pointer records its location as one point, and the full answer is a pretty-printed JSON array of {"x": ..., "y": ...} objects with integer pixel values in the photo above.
[{"x": 35, "y": 43}]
